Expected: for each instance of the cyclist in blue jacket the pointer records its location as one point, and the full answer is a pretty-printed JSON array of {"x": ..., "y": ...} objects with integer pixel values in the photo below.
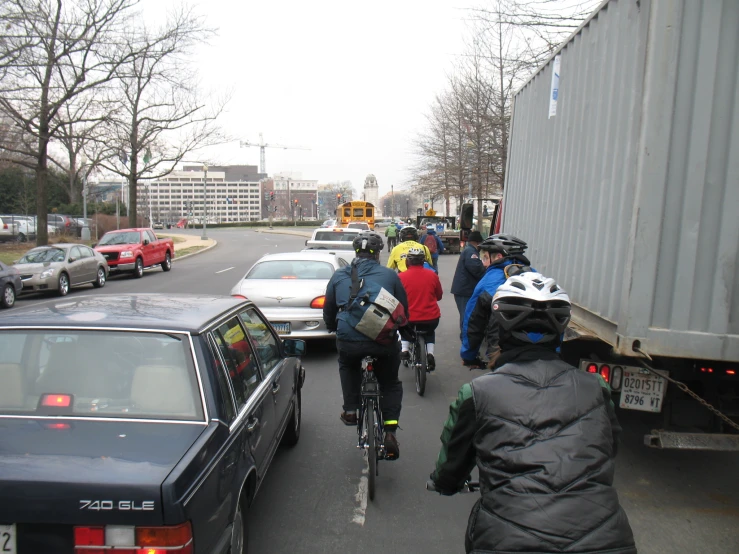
[{"x": 497, "y": 252}]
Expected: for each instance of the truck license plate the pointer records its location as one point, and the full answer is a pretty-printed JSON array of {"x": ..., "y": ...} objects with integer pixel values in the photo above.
[
  {"x": 7, "y": 539},
  {"x": 282, "y": 328},
  {"x": 642, "y": 391}
]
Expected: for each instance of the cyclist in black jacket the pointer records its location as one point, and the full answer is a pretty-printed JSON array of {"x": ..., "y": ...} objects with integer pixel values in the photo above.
[{"x": 543, "y": 435}]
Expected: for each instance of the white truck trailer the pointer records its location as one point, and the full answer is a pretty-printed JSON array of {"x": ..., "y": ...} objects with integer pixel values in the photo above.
[{"x": 623, "y": 177}]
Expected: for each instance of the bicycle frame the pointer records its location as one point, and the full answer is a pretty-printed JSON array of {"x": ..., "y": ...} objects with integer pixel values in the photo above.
[{"x": 370, "y": 389}]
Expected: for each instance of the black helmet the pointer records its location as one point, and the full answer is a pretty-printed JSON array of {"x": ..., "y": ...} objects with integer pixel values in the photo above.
[
  {"x": 368, "y": 242},
  {"x": 409, "y": 232},
  {"x": 531, "y": 309},
  {"x": 508, "y": 245},
  {"x": 415, "y": 256}
]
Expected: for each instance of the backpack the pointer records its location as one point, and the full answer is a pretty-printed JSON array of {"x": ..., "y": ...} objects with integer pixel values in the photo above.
[
  {"x": 373, "y": 311},
  {"x": 430, "y": 243}
]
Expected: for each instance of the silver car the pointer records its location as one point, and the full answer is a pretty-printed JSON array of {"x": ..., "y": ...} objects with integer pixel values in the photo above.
[
  {"x": 60, "y": 267},
  {"x": 290, "y": 290}
]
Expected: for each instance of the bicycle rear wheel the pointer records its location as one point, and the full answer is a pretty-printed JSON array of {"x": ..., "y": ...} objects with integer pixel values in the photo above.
[
  {"x": 421, "y": 365},
  {"x": 371, "y": 447}
]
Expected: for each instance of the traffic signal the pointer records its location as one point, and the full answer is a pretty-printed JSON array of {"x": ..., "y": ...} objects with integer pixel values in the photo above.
[
  {"x": 271, "y": 195},
  {"x": 296, "y": 201},
  {"x": 426, "y": 206},
  {"x": 338, "y": 197}
]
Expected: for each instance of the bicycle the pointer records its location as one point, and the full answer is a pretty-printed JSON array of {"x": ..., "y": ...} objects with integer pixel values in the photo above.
[
  {"x": 418, "y": 360},
  {"x": 370, "y": 428}
]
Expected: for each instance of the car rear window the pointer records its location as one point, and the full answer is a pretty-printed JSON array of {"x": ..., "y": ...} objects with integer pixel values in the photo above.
[
  {"x": 114, "y": 374},
  {"x": 291, "y": 269},
  {"x": 339, "y": 236}
]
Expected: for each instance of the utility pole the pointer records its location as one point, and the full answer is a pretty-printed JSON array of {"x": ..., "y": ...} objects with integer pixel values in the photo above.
[
  {"x": 392, "y": 202},
  {"x": 205, "y": 204}
]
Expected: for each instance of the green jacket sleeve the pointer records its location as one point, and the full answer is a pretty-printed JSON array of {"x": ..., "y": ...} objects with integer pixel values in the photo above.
[{"x": 457, "y": 456}]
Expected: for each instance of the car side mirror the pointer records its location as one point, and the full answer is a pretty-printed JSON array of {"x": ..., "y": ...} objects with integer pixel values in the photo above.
[
  {"x": 94, "y": 245},
  {"x": 294, "y": 347},
  {"x": 72, "y": 259},
  {"x": 146, "y": 241},
  {"x": 306, "y": 242}
]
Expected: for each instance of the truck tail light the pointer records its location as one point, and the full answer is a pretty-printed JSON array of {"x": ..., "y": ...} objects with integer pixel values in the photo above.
[
  {"x": 318, "y": 302},
  {"x": 121, "y": 539},
  {"x": 605, "y": 372},
  {"x": 5, "y": 225},
  {"x": 616, "y": 375}
]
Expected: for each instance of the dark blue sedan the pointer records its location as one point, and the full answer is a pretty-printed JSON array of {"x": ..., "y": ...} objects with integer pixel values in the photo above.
[{"x": 140, "y": 423}]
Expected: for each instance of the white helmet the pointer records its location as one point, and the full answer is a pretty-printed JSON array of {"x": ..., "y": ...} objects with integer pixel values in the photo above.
[{"x": 532, "y": 308}]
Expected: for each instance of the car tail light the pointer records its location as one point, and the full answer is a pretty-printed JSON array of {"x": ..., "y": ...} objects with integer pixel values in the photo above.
[
  {"x": 592, "y": 368},
  {"x": 605, "y": 372},
  {"x": 239, "y": 296},
  {"x": 730, "y": 372},
  {"x": 123, "y": 539},
  {"x": 56, "y": 400},
  {"x": 5, "y": 225},
  {"x": 57, "y": 426},
  {"x": 318, "y": 302}
]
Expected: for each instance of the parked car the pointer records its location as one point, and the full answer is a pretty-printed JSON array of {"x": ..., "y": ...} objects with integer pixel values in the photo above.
[
  {"x": 8, "y": 229},
  {"x": 10, "y": 285},
  {"x": 60, "y": 267},
  {"x": 290, "y": 289},
  {"x": 158, "y": 225},
  {"x": 140, "y": 423},
  {"x": 64, "y": 224},
  {"x": 133, "y": 250}
]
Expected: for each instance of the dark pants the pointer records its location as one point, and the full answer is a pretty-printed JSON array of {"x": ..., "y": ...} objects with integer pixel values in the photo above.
[
  {"x": 386, "y": 370},
  {"x": 428, "y": 329},
  {"x": 461, "y": 307},
  {"x": 391, "y": 242},
  {"x": 435, "y": 262}
]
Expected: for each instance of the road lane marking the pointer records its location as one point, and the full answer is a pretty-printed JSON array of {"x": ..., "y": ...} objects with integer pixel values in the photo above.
[
  {"x": 227, "y": 269},
  {"x": 361, "y": 498}
]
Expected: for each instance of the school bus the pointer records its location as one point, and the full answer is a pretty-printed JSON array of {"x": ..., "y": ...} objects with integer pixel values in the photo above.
[{"x": 356, "y": 210}]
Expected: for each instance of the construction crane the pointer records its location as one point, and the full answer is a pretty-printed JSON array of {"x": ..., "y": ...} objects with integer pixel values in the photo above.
[{"x": 262, "y": 145}]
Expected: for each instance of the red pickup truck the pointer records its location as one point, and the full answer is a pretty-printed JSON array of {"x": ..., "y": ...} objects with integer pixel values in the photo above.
[{"x": 133, "y": 250}]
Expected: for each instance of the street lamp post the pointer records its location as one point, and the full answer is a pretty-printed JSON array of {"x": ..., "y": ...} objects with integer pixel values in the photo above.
[
  {"x": 205, "y": 204},
  {"x": 85, "y": 232},
  {"x": 392, "y": 202}
]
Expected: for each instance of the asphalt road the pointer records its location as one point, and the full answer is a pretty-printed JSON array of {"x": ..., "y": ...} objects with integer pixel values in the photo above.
[{"x": 311, "y": 500}]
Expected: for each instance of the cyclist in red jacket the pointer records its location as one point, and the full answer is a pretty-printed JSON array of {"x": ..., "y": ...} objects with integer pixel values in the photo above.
[{"x": 423, "y": 288}]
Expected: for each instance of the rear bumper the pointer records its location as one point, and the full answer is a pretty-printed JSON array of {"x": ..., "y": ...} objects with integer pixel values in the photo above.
[{"x": 299, "y": 319}]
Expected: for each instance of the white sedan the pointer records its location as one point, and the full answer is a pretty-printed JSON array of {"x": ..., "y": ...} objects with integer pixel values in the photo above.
[{"x": 290, "y": 290}]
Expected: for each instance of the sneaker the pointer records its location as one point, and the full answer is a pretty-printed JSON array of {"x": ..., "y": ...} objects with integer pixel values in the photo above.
[
  {"x": 392, "y": 448},
  {"x": 405, "y": 355},
  {"x": 477, "y": 363},
  {"x": 431, "y": 362},
  {"x": 349, "y": 418}
]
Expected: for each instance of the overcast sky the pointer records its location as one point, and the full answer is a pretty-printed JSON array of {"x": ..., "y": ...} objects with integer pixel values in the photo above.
[{"x": 349, "y": 80}]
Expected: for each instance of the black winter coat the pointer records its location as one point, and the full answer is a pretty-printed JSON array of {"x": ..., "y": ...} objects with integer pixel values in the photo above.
[{"x": 544, "y": 436}]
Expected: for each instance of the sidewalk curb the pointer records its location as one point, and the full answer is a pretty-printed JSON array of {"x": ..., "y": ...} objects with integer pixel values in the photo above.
[
  {"x": 178, "y": 258},
  {"x": 285, "y": 232}
]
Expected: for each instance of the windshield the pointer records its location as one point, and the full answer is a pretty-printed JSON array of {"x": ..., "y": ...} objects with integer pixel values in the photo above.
[
  {"x": 42, "y": 255},
  {"x": 129, "y": 237},
  {"x": 291, "y": 269},
  {"x": 116, "y": 374}
]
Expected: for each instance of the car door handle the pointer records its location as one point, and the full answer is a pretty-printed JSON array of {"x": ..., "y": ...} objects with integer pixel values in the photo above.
[
  {"x": 275, "y": 388},
  {"x": 252, "y": 425}
]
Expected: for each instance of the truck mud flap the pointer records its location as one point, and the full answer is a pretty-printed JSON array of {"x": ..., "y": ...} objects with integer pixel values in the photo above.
[{"x": 692, "y": 441}]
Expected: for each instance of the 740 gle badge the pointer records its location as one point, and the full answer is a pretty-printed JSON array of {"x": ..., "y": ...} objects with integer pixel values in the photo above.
[{"x": 122, "y": 505}]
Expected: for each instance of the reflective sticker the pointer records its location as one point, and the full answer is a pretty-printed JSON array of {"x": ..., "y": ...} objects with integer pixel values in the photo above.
[{"x": 474, "y": 257}]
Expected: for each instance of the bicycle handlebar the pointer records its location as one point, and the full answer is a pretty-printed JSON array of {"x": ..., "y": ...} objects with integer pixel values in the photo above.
[{"x": 469, "y": 486}]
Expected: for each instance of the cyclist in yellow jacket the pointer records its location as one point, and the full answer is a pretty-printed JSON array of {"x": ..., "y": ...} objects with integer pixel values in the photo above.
[{"x": 408, "y": 239}]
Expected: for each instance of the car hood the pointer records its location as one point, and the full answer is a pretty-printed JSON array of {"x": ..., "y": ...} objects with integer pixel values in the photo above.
[
  {"x": 52, "y": 468},
  {"x": 37, "y": 268},
  {"x": 281, "y": 293}
]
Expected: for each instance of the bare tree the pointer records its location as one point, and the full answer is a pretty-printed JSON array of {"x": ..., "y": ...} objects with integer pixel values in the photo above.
[
  {"x": 53, "y": 52},
  {"x": 162, "y": 116}
]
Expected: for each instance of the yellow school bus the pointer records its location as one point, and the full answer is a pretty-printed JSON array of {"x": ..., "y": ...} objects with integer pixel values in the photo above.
[{"x": 356, "y": 210}]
